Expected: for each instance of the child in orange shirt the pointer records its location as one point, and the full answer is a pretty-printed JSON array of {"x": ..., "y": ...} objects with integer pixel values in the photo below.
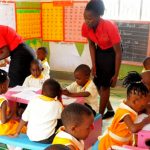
[{"x": 122, "y": 128}]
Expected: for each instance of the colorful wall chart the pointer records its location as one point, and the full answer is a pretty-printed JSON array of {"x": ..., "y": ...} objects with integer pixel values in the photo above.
[
  {"x": 73, "y": 20},
  {"x": 29, "y": 23},
  {"x": 52, "y": 22}
]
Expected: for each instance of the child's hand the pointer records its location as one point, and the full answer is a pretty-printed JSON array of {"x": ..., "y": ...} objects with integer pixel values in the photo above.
[
  {"x": 65, "y": 92},
  {"x": 13, "y": 135},
  {"x": 147, "y": 120}
]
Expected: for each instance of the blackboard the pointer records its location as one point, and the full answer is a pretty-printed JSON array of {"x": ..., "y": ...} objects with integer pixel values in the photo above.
[{"x": 134, "y": 40}]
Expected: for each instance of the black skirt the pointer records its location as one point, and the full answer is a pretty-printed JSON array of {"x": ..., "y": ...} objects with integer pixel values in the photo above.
[
  {"x": 20, "y": 62},
  {"x": 105, "y": 67}
]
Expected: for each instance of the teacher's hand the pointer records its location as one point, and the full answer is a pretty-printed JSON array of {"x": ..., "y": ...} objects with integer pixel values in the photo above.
[
  {"x": 94, "y": 71},
  {"x": 113, "y": 81}
]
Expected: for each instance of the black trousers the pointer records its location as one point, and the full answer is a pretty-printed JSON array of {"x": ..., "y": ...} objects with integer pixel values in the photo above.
[{"x": 20, "y": 62}]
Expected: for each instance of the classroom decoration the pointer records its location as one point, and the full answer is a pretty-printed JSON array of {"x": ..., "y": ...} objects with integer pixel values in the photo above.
[
  {"x": 80, "y": 48},
  {"x": 62, "y": 2},
  {"x": 52, "y": 22},
  {"x": 7, "y": 14},
  {"x": 73, "y": 20},
  {"x": 29, "y": 23}
]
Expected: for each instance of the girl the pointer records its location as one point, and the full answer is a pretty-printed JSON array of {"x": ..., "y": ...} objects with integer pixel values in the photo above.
[
  {"x": 104, "y": 44},
  {"x": 7, "y": 126},
  {"x": 122, "y": 128}
]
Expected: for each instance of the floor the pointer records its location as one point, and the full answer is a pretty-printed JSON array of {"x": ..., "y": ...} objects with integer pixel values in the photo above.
[{"x": 117, "y": 96}]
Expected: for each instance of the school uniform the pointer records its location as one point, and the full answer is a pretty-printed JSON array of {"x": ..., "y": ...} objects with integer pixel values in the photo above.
[
  {"x": 105, "y": 36},
  {"x": 118, "y": 133},
  {"x": 42, "y": 114},
  {"x": 20, "y": 53},
  {"x": 10, "y": 126},
  {"x": 46, "y": 68},
  {"x": 67, "y": 139},
  {"x": 90, "y": 87},
  {"x": 31, "y": 81}
]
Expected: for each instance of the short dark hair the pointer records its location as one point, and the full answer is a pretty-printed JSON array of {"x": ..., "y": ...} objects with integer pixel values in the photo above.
[
  {"x": 83, "y": 68},
  {"x": 36, "y": 62},
  {"x": 52, "y": 88},
  {"x": 73, "y": 114},
  {"x": 44, "y": 49},
  {"x": 96, "y": 6},
  {"x": 57, "y": 147},
  {"x": 3, "y": 76},
  {"x": 133, "y": 82},
  {"x": 146, "y": 61}
]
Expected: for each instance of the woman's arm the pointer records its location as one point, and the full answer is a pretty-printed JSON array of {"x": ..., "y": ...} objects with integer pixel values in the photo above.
[
  {"x": 92, "y": 48},
  {"x": 135, "y": 127},
  {"x": 4, "y": 52},
  {"x": 118, "y": 56}
]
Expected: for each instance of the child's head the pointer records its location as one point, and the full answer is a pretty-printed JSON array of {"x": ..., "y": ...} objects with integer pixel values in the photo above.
[
  {"x": 146, "y": 79},
  {"x": 4, "y": 81},
  {"x": 137, "y": 92},
  {"x": 36, "y": 68},
  {"x": 51, "y": 88},
  {"x": 41, "y": 53},
  {"x": 77, "y": 120},
  {"x": 57, "y": 147},
  {"x": 93, "y": 10},
  {"x": 82, "y": 74},
  {"x": 146, "y": 63}
]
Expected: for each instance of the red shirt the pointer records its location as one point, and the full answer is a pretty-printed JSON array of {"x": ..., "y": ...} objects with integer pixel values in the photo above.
[
  {"x": 9, "y": 37},
  {"x": 105, "y": 36}
]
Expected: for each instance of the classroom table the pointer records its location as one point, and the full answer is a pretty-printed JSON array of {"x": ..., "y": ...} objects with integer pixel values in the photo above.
[{"x": 15, "y": 97}]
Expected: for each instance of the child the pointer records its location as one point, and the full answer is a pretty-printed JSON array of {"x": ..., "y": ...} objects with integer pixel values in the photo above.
[
  {"x": 42, "y": 53},
  {"x": 146, "y": 64},
  {"x": 78, "y": 122},
  {"x": 122, "y": 128},
  {"x": 146, "y": 78},
  {"x": 57, "y": 147},
  {"x": 36, "y": 79},
  {"x": 43, "y": 113},
  {"x": 84, "y": 87},
  {"x": 7, "y": 125}
]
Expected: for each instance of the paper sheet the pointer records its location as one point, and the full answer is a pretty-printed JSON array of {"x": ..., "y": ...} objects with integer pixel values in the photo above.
[
  {"x": 23, "y": 88},
  {"x": 68, "y": 100}
]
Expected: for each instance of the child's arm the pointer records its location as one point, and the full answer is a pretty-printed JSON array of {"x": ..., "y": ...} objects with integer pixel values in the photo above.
[
  {"x": 5, "y": 117},
  {"x": 73, "y": 94},
  {"x": 135, "y": 127}
]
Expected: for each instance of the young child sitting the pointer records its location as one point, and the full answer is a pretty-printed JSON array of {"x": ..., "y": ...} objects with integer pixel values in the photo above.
[
  {"x": 122, "y": 128},
  {"x": 8, "y": 126},
  {"x": 43, "y": 113},
  {"x": 78, "y": 122},
  {"x": 42, "y": 53},
  {"x": 146, "y": 64},
  {"x": 37, "y": 78},
  {"x": 84, "y": 87}
]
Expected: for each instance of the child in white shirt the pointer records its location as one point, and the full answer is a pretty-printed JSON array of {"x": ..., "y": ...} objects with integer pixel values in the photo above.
[
  {"x": 43, "y": 114},
  {"x": 84, "y": 87},
  {"x": 42, "y": 53},
  {"x": 37, "y": 78}
]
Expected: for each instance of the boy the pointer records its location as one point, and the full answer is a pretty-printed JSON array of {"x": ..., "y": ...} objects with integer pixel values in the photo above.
[
  {"x": 78, "y": 122},
  {"x": 146, "y": 64},
  {"x": 42, "y": 53},
  {"x": 43, "y": 113},
  {"x": 84, "y": 87}
]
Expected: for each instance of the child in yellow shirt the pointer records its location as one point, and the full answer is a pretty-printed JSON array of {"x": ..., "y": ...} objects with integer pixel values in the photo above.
[
  {"x": 122, "y": 128},
  {"x": 78, "y": 122}
]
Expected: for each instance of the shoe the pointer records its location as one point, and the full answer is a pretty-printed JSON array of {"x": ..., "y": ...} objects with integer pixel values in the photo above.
[{"x": 108, "y": 114}]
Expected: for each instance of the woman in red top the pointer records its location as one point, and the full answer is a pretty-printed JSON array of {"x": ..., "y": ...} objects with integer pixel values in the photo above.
[
  {"x": 104, "y": 44},
  {"x": 11, "y": 44}
]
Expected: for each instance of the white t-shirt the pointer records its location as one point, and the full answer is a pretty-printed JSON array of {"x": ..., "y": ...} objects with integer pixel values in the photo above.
[
  {"x": 140, "y": 118},
  {"x": 91, "y": 100},
  {"x": 31, "y": 81},
  {"x": 41, "y": 115}
]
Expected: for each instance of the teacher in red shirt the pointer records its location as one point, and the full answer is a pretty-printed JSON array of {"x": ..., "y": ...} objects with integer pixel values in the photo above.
[
  {"x": 105, "y": 50},
  {"x": 11, "y": 44}
]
